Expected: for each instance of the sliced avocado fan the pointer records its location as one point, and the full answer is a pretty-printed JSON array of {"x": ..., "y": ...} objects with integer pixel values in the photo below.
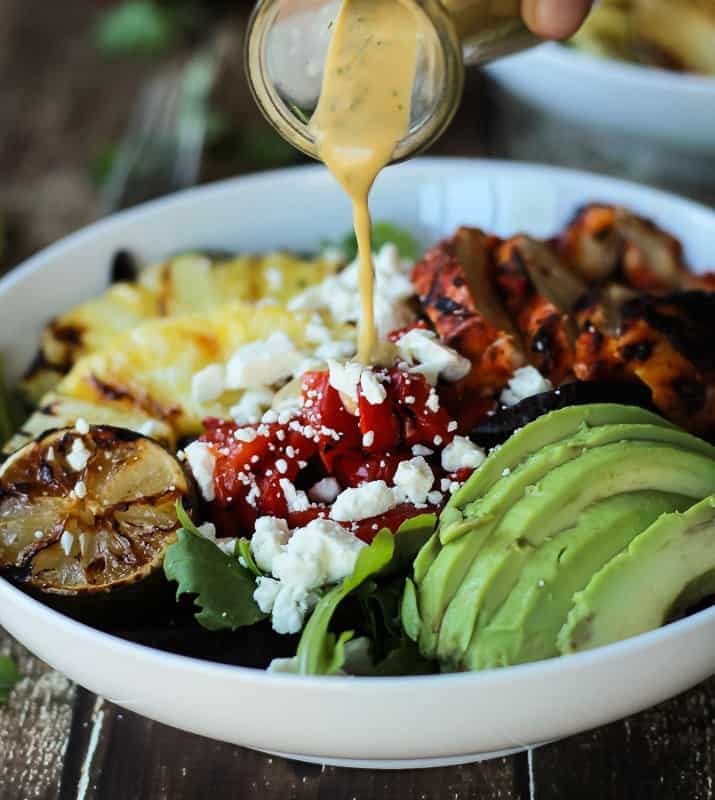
[
  {"x": 636, "y": 591},
  {"x": 554, "y": 504},
  {"x": 526, "y": 625},
  {"x": 441, "y": 569}
]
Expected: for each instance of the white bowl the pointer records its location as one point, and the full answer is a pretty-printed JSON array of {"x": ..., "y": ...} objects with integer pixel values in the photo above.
[
  {"x": 643, "y": 102},
  {"x": 383, "y": 722}
]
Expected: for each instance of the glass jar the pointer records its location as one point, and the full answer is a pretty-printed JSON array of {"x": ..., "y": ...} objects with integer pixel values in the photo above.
[{"x": 287, "y": 43}]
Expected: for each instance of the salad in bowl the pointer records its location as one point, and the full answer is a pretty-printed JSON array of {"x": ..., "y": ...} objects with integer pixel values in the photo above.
[{"x": 523, "y": 472}]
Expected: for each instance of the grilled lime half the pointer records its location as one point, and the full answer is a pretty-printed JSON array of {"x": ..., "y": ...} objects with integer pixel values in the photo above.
[{"x": 88, "y": 510}]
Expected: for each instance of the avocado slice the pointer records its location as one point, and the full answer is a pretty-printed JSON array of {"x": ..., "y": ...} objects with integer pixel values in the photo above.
[
  {"x": 526, "y": 626},
  {"x": 554, "y": 504},
  {"x": 547, "y": 429},
  {"x": 444, "y": 569},
  {"x": 637, "y": 589}
]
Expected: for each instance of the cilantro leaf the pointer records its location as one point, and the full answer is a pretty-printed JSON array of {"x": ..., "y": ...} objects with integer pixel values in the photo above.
[
  {"x": 382, "y": 234},
  {"x": 9, "y": 676},
  {"x": 137, "y": 27},
  {"x": 223, "y": 588}
]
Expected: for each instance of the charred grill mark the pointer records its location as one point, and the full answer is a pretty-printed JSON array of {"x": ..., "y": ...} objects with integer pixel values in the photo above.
[
  {"x": 110, "y": 392},
  {"x": 165, "y": 287},
  {"x": 124, "y": 267},
  {"x": 40, "y": 363},
  {"x": 445, "y": 305},
  {"x": 691, "y": 392},
  {"x": 637, "y": 351},
  {"x": 588, "y": 300}
]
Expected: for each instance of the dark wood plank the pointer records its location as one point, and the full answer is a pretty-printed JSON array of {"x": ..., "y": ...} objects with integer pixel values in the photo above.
[
  {"x": 34, "y": 728},
  {"x": 135, "y": 757},
  {"x": 665, "y": 753}
]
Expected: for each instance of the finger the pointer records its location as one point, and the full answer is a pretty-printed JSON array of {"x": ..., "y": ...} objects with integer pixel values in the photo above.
[{"x": 555, "y": 19}]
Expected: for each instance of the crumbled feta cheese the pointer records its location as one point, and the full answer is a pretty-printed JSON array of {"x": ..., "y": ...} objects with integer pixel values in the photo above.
[
  {"x": 80, "y": 490},
  {"x": 251, "y": 406},
  {"x": 207, "y": 384},
  {"x": 263, "y": 363},
  {"x": 430, "y": 357},
  {"x": 445, "y": 483},
  {"x": 432, "y": 403},
  {"x": 39, "y": 534},
  {"x": 320, "y": 553},
  {"x": 525, "y": 382},
  {"x": 435, "y": 498},
  {"x": 340, "y": 348},
  {"x": 228, "y": 546},
  {"x": 297, "y": 501},
  {"x": 368, "y": 439},
  {"x": 269, "y": 535},
  {"x": 413, "y": 480},
  {"x": 437, "y": 440},
  {"x": 282, "y": 466},
  {"x": 246, "y": 435},
  {"x": 266, "y": 593},
  {"x": 78, "y": 455},
  {"x": 67, "y": 542},
  {"x": 368, "y": 500},
  {"x": 421, "y": 450},
  {"x": 338, "y": 294},
  {"x": 344, "y": 378},
  {"x": 372, "y": 390},
  {"x": 81, "y": 426},
  {"x": 149, "y": 428},
  {"x": 207, "y": 531},
  {"x": 274, "y": 278},
  {"x": 202, "y": 463},
  {"x": 452, "y": 426},
  {"x": 462, "y": 453},
  {"x": 324, "y": 491}
]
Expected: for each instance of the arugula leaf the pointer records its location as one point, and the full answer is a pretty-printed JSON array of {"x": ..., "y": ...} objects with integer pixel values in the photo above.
[
  {"x": 137, "y": 27},
  {"x": 319, "y": 652},
  {"x": 223, "y": 588},
  {"x": 384, "y": 233},
  {"x": 9, "y": 676},
  {"x": 243, "y": 549}
]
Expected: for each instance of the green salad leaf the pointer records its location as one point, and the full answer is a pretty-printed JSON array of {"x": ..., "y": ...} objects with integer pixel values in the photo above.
[
  {"x": 223, "y": 589},
  {"x": 137, "y": 27},
  {"x": 320, "y": 652},
  {"x": 377, "y": 593},
  {"x": 383, "y": 233},
  {"x": 9, "y": 676}
]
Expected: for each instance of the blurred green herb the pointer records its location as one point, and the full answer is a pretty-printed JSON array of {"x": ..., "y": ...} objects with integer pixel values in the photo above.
[
  {"x": 382, "y": 234},
  {"x": 101, "y": 164},
  {"x": 262, "y": 148},
  {"x": 10, "y": 413},
  {"x": 137, "y": 28},
  {"x": 9, "y": 676}
]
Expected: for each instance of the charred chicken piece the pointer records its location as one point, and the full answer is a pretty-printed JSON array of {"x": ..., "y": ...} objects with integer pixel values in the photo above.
[
  {"x": 456, "y": 292},
  {"x": 539, "y": 292},
  {"x": 662, "y": 342},
  {"x": 611, "y": 242}
]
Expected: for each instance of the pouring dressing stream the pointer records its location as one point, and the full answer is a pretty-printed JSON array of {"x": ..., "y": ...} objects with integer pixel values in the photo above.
[{"x": 362, "y": 113}]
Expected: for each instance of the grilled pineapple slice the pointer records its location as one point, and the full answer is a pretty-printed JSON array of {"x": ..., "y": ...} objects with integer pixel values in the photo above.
[
  {"x": 186, "y": 284},
  {"x": 150, "y": 369},
  {"x": 57, "y": 411}
]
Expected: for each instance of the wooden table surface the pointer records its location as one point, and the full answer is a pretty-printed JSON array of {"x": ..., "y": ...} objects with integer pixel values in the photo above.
[{"x": 59, "y": 741}]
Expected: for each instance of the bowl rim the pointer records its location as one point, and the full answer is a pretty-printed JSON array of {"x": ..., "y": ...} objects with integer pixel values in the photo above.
[
  {"x": 162, "y": 658},
  {"x": 560, "y": 55}
]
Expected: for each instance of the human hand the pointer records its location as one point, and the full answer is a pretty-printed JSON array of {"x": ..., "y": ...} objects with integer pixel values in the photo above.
[{"x": 555, "y": 19}]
